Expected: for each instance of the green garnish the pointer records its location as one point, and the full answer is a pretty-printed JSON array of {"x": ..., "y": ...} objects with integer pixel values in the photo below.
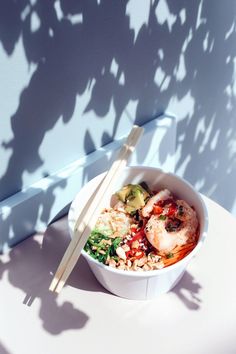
[
  {"x": 170, "y": 255},
  {"x": 100, "y": 250},
  {"x": 162, "y": 217},
  {"x": 116, "y": 243},
  {"x": 180, "y": 210}
]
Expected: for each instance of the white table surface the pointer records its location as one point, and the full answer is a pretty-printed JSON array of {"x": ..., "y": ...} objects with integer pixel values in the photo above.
[{"x": 197, "y": 316}]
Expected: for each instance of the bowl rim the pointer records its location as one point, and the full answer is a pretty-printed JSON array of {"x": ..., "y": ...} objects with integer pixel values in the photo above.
[{"x": 149, "y": 273}]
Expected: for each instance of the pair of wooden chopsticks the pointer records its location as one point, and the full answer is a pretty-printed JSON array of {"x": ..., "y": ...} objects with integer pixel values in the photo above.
[{"x": 86, "y": 223}]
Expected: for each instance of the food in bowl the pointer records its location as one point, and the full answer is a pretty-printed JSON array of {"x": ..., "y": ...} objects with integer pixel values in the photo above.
[
  {"x": 143, "y": 230},
  {"x": 141, "y": 285}
]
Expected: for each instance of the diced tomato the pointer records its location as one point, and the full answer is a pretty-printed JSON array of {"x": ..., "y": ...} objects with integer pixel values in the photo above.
[
  {"x": 157, "y": 210},
  {"x": 131, "y": 253},
  {"x": 133, "y": 229},
  {"x": 172, "y": 209},
  {"x": 134, "y": 254},
  {"x": 138, "y": 236}
]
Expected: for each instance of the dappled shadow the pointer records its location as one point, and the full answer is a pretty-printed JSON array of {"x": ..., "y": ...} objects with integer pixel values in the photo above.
[
  {"x": 3, "y": 350},
  {"x": 206, "y": 134},
  {"x": 181, "y": 58},
  {"x": 188, "y": 291},
  {"x": 29, "y": 268}
]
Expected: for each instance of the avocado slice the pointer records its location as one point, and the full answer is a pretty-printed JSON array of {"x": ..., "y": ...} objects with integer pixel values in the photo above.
[
  {"x": 134, "y": 196},
  {"x": 123, "y": 193}
]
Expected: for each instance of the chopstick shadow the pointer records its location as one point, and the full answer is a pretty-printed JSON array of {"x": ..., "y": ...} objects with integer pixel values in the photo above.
[
  {"x": 3, "y": 350},
  {"x": 30, "y": 268}
]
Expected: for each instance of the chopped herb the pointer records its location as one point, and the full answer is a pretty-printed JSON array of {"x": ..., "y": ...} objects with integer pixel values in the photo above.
[
  {"x": 99, "y": 250},
  {"x": 170, "y": 255},
  {"x": 172, "y": 225},
  {"x": 162, "y": 217},
  {"x": 133, "y": 212},
  {"x": 116, "y": 242},
  {"x": 180, "y": 210},
  {"x": 116, "y": 258}
]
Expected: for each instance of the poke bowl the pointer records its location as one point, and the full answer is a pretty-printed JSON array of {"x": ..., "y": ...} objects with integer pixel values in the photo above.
[{"x": 149, "y": 229}]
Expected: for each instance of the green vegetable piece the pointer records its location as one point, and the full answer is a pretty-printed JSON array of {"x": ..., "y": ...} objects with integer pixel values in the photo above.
[
  {"x": 170, "y": 255},
  {"x": 180, "y": 210},
  {"x": 116, "y": 242},
  {"x": 123, "y": 193},
  {"x": 162, "y": 217},
  {"x": 134, "y": 196}
]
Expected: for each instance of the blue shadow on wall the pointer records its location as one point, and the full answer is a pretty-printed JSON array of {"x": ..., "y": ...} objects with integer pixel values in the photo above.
[{"x": 181, "y": 58}]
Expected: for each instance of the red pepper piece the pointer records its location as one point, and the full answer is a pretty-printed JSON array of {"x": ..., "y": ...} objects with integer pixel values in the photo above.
[
  {"x": 134, "y": 254},
  {"x": 157, "y": 210},
  {"x": 172, "y": 209}
]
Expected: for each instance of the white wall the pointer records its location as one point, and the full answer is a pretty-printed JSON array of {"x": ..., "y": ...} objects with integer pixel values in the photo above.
[{"x": 74, "y": 75}]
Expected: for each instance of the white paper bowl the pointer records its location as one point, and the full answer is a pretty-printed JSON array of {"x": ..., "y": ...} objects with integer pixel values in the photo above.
[{"x": 147, "y": 284}]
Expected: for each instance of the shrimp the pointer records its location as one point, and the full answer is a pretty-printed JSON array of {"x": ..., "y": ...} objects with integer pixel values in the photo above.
[
  {"x": 162, "y": 195},
  {"x": 165, "y": 235}
]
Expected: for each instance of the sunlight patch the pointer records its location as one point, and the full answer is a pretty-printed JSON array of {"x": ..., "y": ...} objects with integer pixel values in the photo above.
[
  {"x": 161, "y": 53},
  {"x": 205, "y": 42},
  {"x": 35, "y": 22},
  {"x": 234, "y": 78},
  {"x": 163, "y": 14},
  {"x": 232, "y": 148},
  {"x": 200, "y": 19},
  {"x": 211, "y": 46},
  {"x": 228, "y": 59},
  {"x": 206, "y": 134},
  {"x": 25, "y": 12},
  {"x": 165, "y": 84},
  {"x": 180, "y": 71},
  {"x": 183, "y": 108},
  {"x": 11, "y": 233},
  {"x": 58, "y": 10},
  {"x": 200, "y": 184},
  {"x": 182, "y": 168},
  {"x": 187, "y": 40},
  {"x": 122, "y": 79},
  {"x": 182, "y": 15},
  {"x": 159, "y": 76},
  {"x": 5, "y": 212},
  {"x": 200, "y": 128},
  {"x": 75, "y": 19},
  {"x": 214, "y": 140},
  {"x": 138, "y": 15},
  {"x": 51, "y": 32},
  {"x": 114, "y": 67},
  {"x": 230, "y": 31}
]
